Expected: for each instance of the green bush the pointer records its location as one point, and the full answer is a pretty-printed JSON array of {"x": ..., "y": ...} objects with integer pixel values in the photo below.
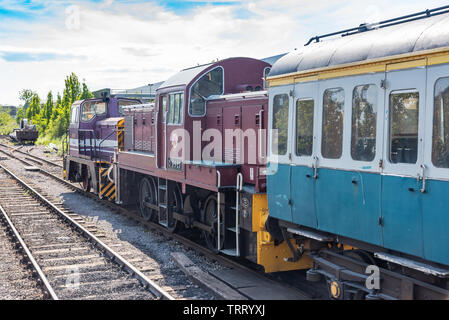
[{"x": 7, "y": 124}]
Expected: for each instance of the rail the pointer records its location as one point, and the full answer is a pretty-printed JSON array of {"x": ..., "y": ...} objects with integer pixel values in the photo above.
[
  {"x": 29, "y": 255},
  {"x": 115, "y": 257}
]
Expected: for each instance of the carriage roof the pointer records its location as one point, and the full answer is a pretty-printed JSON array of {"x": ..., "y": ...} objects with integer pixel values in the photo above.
[{"x": 410, "y": 37}]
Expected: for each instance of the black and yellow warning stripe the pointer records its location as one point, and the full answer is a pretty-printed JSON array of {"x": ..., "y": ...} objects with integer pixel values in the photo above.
[
  {"x": 107, "y": 188},
  {"x": 121, "y": 134}
]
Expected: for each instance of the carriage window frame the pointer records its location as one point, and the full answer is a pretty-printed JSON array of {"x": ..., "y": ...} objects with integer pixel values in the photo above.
[
  {"x": 442, "y": 120},
  {"x": 324, "y": 141},
  {"x": 375, "y": 113},
  {"x": 296, "y": 126},
  {"x": 96, "y": 114},
  {"x": 390, "y": 124},
  {"x": 205, "y": 102},
  {"x": 286, "y": 96}
]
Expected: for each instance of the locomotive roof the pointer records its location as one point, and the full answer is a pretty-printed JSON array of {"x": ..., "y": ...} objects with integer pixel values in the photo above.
[
  {"x": 184, "y": 77},
  {"x": 410, "y": 37}
]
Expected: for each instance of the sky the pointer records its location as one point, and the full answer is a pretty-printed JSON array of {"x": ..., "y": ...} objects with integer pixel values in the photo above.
[{"x": 125, "y": 44}]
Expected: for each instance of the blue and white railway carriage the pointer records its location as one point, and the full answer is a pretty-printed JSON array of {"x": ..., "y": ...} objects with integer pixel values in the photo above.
[{"x": 363, "y": 139}]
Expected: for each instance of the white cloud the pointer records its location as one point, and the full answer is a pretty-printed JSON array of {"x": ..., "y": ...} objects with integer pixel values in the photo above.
[{"x": 126, "y": 45}]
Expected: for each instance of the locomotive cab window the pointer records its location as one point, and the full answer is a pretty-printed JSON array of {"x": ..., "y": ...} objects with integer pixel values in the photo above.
[
  {"x": 364, "y": 121},
  {"x": 175, "y": 106},
  {"x": 208, "y": 85},
  {"x": 92, "y": 109},
  {"x": 404, "y": 117},
  {"x": 440, "y": 141},
  {"x": 304, "y": 127},
  {"x": 280, "y": 123},
  {"x": 332, "y": 131},
  {"x": 164, "y": 108},
  {"x": 74, "y": 117}
]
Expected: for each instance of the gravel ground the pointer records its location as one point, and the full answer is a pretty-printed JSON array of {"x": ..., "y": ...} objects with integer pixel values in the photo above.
[
  {"x": 41, "y": 151},
  {"x": 16, "y": 282},
  {"x": 151, "y": 250}
]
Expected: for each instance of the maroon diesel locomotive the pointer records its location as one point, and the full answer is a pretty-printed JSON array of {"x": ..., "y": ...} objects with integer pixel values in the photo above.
[{"x": 196, "y": 158}]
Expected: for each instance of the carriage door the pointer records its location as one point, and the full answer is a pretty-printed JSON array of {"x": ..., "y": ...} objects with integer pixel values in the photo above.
[
  {"x": 279, "y": 164},
  {"x": 302, "y": 178},
  {"x": 404, "y": 123},
  {"x": 162, "y": 132}
]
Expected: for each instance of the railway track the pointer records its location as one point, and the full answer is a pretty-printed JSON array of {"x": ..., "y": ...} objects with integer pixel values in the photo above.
[
  {"x": 77, "y": 264},
  {"x": 21, "y": 278},
  {"x": 187, "y": 242},
  {"x": 33, "y": 158}
]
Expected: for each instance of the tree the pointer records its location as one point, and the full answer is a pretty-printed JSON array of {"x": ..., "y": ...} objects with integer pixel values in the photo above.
[
  {"x": 34, "y": 107},
  {"x": 72, "y": 87},
  {"x": 20, "y": 115},
  {"x": 86, "y": 93},
  {"x": 52, "y": 119},
  {"x": 26, "y": 95},
  {"x": 48, "y": 108}
]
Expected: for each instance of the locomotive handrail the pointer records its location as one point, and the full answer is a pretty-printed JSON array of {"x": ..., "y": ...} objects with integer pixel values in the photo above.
[
  {"x": 65, "y": 145},
  {"x": 157, "y": 137},
  {"x": 165, "y": 139},
  {"x": 261, "y": 154},
  {"x": 140, "y": 106},
  {"x": 239, "y": 188},
  {"x": 218, "y": 210},
  {"x": 99, "y": 145}
]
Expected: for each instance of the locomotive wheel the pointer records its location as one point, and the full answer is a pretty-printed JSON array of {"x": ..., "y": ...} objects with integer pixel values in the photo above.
[
  {"x": 176, "y": 206},
  {"x": 210, "y": 218},
  {"x": 360, "y": 256},
  {"x": 87, "y": 182},
  {"x": 147, "y": 194}
]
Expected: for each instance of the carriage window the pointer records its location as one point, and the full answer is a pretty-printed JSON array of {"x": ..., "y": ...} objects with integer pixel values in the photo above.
[
  {"x": 208, "y": 85},
  {"x": 332, "y": 133},
  {"x": 304, "y": 127},
  {"x": 404, "y": 116},
  {"x": 280, "y": 122},
  {"x": 124, "y": 103},
  {"x": 440, "y": 145},
  {"x": 175, "y": 108},
  {"x": 92, "y": 109},
  {"x": 364, "y": 120}
]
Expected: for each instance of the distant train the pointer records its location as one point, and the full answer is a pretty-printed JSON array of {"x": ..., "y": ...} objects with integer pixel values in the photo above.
[
  {"x": 335, "y": 159},
  {"x": 26, "y": 133}
]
